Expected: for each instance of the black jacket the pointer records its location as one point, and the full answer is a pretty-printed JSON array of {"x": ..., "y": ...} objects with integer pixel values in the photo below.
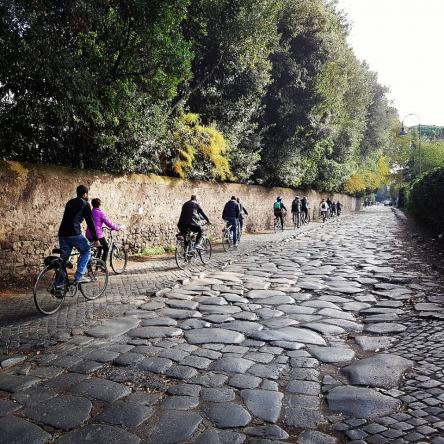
[
  {"x": 231, "y": 210},
  {"x": 77, "y": 210},
  {"x": 191, "y": 214},
  {"x": 296, "y": 206}
]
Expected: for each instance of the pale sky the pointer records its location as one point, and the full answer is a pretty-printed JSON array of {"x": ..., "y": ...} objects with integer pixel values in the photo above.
[{"x": 403, "y": 41}]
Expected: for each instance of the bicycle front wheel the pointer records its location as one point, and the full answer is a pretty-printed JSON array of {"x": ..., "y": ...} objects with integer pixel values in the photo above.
[
  {"x": 181, "y": 255},
  {"x": 118, "y": 259},
  {"x": 50, "y": 289},
  {"x": 205, "y": 251},
  {"x": 98, "y": 273}
]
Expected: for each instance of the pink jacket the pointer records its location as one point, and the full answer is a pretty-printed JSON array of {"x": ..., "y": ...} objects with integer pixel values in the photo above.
[{"x": 100, "y": 218}]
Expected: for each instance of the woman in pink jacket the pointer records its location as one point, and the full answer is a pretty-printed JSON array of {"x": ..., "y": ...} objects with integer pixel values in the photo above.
[{"x": 100, "y": 219}]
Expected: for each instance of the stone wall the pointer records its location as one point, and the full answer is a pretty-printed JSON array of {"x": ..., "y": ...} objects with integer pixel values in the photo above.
[{"x": 33, "y": 198}]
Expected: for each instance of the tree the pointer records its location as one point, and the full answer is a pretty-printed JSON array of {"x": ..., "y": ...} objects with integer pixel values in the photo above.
[{"x": 87, "y": 82}]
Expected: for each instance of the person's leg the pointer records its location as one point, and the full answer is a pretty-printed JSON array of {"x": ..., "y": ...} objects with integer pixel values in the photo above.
[
  {"x": 66, "y": 248},
  {"x": 83, "y": 246},
  {"x": 281, "y": 217},
  {"x": 105, "y": 249},
  {"x": 233, "y": 223},
  {"x": 197, "y": 229}
]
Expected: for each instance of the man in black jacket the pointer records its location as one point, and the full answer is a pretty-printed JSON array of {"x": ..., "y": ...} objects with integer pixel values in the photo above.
[
  {"x": 70, "y": 231},
  {"x": 190, "y": 219},
  {"x": 231, "y": 214}
]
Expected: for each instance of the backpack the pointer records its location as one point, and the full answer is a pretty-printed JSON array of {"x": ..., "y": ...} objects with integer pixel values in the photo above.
[{"x": 277, "y": 205}]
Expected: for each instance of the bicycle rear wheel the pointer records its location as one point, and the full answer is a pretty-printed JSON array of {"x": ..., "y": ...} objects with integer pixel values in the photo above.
[
  {"x": 98, "y": 273},
  {"x": 47, "y": 298},
  {"x": 226, "y": 241},
  {"x": 181, "y": 255},
  {"x": 118, "y": 259},
  {"x": 205, "y": 251}
]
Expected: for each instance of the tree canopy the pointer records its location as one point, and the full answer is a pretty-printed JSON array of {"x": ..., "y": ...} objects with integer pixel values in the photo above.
[{"x": 255, "y": 91}]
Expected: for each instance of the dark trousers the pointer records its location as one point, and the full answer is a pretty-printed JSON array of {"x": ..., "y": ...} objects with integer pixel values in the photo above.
[
  {"x": 103, "y": 250},
  {"x": 193, "y": 228},
  {"x": 280, "y": 215}
]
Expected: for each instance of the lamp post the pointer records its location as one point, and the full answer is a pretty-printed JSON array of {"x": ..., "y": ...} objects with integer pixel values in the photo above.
[{"x": 403, "y": 132}]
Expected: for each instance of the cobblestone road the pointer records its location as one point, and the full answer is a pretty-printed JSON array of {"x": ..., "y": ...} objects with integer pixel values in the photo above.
[{"x": 334, "y": 336}]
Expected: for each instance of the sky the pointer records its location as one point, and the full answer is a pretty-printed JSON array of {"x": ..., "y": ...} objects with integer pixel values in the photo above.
[{"x": 403, "y": 41}]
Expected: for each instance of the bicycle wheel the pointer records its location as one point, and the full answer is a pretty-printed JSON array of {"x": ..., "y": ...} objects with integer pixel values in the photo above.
[
  {"x": 118, "y": 258},
  {"x": 47, "y": 298},
  {"x": 226, "y": 241},
  {"x": 181, "y": 255},
  {"x": 98, "y": 273},
  {"x": 205, "y": 251}
]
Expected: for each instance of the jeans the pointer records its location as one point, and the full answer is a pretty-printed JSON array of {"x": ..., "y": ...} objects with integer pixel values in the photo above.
[
  {"x": 233, "y": 222},
  {"x": 82, "y": 244}
]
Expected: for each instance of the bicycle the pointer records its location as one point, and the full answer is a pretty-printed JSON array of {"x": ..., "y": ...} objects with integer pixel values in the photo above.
[
  {"x": 118, "y": 254},
  {"x": 227, "y": 236},
  {"x": 277, "y": 222},
  {"x": 305, "y": 219},
  {"x": 186, "y": 253},
  {"x": 52, "y": 284},
  {"x": 297, "y": 220}
]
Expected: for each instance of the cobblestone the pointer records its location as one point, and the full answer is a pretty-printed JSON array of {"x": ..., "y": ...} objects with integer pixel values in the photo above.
[{"x": 224, "y": 355}]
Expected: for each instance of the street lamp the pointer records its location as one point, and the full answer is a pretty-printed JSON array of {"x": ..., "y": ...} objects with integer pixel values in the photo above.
[{"x": 403, "y": 132}]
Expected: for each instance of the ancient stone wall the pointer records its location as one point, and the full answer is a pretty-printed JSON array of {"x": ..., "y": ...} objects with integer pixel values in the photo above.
[{"x": 33, "y": 197}]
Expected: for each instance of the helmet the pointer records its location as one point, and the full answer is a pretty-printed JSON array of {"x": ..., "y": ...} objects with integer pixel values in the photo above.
[{"x": 279, "y": 198}]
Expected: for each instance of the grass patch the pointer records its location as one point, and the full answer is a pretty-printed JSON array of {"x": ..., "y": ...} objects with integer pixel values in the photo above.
[{"x": 156, "y": 251}]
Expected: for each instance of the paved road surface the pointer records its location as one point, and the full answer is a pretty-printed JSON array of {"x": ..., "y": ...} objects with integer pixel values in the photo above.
[{"x": 334, "y": 336}]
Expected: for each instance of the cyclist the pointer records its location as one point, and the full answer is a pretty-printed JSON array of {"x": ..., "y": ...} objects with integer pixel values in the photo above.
[
  {"x": 190, "y": 219},
  {"x": 323, "y": 207},
  {"x": 70, "y": 232},
  {"x": 241, "y": 214},
  {"x": 296, "y": 209},
  {"x": 333, "y": 208},
  {"x": 231, "y": 215},
  {"x": 278, "y": 209},
  {"x": 338, "y": 208},
  {"x": 100, "y": 219},
  {"x": 304, "y": 205}
]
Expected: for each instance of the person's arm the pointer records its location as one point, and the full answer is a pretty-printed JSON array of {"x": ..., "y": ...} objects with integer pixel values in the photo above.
[
  {"x": 283, "y": 207},
  {"x": 201, "y": 212},
  {"x": 244, "y": 210},
  {"x": 237, "y": 212},
  {"x": 108, "y": 223},
  {"x": 87, "y": 214}
]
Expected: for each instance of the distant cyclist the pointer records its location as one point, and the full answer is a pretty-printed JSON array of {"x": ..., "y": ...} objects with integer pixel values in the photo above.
[
  {"x": 243, "y": 212},
  {"x": 70, "y": 232},
  {"x": 231, "y": 214},
  {"x": 190, "y": 219},
  {"x": 304, "y": 206},
  {"x": 278, "y": 209},
  {"x": 333, "y": 208},
  {"x": 296, "y": 210},
  {"x": 323, "y": 207},
  {"x": 338, "y": 208}
]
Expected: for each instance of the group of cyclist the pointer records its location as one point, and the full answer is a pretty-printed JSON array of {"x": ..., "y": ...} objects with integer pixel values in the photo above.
[
  {"x": 70, "y": 231},
  {"x": 191, "y": 217}
]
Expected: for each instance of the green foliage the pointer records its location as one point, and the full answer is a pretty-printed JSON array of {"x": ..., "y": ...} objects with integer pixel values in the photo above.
[
  {"x": 262, "y": 91},
  {"x": 88, "y": 81},
  {"x": 425, "y": 196}
]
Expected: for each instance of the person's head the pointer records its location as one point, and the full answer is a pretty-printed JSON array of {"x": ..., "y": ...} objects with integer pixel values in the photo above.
[
  {"x": 96, "y": 202},
  {"x": 82, "y": 192},
  {"x": 297, "y": 197},
  {"x": 237, "y": 200},
  {"x": 193, "y": 197},
  {"x": 233, "y": 197},
  {"x": 323, "y": 200},
  {"x": 279, "y": 198}
]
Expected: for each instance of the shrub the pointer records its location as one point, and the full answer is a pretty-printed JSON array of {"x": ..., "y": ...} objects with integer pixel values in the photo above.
[{"x": 426, "y": 198}]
